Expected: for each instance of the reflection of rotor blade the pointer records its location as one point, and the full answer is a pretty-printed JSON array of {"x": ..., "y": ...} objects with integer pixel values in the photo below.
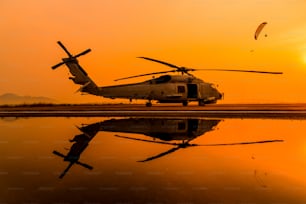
[
  {"x": 158, "y": 61},
  {"x": 85, "y": 165},
  {"x": 241, "y": 143},
  {"x": 145, "y": 75},
  {"x": 160, "y": 155},
  {"x": 259, "y": 180},
  {"x": 132, "y": 138},
  {"x": 66, "y": 170},
  {"x": 238, "y": 70},
  {"x": 189, "y": 140},
  {"x": 58, "y": 154}
]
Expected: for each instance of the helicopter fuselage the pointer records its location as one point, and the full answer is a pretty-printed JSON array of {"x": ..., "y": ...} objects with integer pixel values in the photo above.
[
  {"x": 161, "y": 128},
  {"x": 166, "y": 89}
]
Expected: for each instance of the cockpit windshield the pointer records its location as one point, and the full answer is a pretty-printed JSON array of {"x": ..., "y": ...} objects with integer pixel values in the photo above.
[
  {"x": 161, "y": 79},
  {"x": 213, "y": 86}
]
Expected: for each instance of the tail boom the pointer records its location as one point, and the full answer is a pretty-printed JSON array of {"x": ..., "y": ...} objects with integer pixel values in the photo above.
[{"x": 79, "y": 75}]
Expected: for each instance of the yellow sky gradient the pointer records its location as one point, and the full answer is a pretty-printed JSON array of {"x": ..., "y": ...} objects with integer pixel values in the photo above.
[{"x": 191, "y": 33}]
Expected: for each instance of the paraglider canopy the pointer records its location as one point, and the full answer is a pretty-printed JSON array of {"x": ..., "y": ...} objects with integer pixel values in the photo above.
[{"x": 259, "y": 29}]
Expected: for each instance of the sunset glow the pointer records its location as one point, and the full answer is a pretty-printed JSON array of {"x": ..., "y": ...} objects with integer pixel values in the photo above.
[{"x": 195, "y": 33}]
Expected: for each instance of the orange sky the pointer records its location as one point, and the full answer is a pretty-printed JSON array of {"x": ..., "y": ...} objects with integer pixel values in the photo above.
[{"x": 191, "y": 33}]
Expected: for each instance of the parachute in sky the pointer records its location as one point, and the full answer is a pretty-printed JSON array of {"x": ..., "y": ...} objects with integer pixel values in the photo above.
[{"x": 259, "y": 29}]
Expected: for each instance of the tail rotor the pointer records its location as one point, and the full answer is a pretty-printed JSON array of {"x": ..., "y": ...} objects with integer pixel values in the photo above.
[{"x": 70, "y": 56}]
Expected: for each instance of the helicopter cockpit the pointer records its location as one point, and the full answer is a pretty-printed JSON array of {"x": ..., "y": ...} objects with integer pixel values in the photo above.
[
  {"x": 160, "y": 80},
  {"x": 213, "y": 85},
  {"x": 171, "y": 78}
]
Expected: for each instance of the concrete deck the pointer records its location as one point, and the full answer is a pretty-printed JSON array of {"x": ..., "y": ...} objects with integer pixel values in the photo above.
[{"x": 282, "y": 111}]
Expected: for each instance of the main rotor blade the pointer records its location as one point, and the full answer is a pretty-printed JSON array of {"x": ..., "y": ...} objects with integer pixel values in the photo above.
[
  {"x": 140, "y": 75},
  {"x": 144, "y": 140},
  {"x": 161, "y": 154},
  {"x": 158, "y": 61},
  {"x": 238, "y": 70},
  {"x": 57, "y": 65},
  {"x": 64, "y": 48},
  {"x": 185, "y": 70},
  {"x": 83, "y": 53}
]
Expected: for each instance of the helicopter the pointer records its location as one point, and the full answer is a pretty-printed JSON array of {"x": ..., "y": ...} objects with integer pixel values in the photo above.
[
  {"x": 160, "y": 128},
  {"x": 177, "y": 132},
  {"x": 180, "y": 88}
]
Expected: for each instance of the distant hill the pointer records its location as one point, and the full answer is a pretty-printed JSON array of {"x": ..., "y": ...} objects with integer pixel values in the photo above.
[{"x": 10, "y": 98}]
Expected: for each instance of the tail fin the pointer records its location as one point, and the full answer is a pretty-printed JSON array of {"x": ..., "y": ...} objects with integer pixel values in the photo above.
[{"x": 79, "y": 75}]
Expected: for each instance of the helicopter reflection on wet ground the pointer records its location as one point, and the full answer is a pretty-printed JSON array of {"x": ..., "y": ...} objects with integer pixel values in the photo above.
[{"x": 149, "y": 160}]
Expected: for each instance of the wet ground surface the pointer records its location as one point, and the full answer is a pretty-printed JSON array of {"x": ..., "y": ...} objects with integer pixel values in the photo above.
[
  {"x": 159, "y": 107},
  {"x": 152, "y": 160},
  {"x": 158, "y": 110}
]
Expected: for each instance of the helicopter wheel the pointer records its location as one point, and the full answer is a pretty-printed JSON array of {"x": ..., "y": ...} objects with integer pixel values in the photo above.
[
  {"x": 148, "y": 104},
  {"x": 185, "y": 103},
  {"x": 201, "y": 102}
]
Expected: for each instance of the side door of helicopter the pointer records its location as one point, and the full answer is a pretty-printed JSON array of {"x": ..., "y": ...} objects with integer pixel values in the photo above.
[
  {"x": 192, "y": 91},
  {"x": 192, "y": 126}
]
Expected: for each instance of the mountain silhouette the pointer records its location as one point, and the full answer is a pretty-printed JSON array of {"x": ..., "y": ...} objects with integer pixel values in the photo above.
[{"x": 10, "y": 98}]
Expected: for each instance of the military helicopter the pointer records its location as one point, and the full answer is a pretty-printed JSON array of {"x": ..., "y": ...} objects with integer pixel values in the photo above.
[
  {"x": 167, "y": 88},
  {"x": 163, "y": 129}
]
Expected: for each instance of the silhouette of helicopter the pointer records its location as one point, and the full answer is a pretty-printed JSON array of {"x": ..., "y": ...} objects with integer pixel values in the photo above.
[
  {"x": 167, "y": 88},
  {"x": 162, "y": 130}
]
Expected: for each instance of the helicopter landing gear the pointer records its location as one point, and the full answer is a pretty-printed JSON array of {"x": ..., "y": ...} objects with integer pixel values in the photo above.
[
  {"x": 149, "y": 104},
  {"x": 185, "y": 103},
  {"x": 201, "y": 102}
]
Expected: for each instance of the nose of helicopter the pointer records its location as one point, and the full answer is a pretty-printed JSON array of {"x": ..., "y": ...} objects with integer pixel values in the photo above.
[{"x": 220, "y": 95}]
